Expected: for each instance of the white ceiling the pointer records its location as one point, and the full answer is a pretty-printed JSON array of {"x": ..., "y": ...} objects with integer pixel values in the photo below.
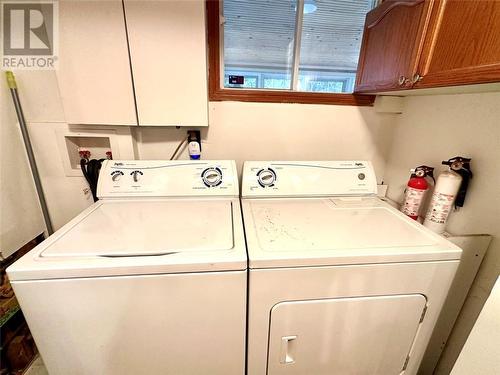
[{"x": 260, "y": 33}]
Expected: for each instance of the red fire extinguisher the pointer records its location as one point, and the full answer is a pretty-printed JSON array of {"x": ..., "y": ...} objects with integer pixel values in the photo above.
[{"x": 415, "y": 190}]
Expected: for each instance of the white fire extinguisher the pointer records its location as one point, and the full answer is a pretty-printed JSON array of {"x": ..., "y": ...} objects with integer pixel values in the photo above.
[
  {"x": 451, "y": 188},
  {"x": 415, "y": 190}
]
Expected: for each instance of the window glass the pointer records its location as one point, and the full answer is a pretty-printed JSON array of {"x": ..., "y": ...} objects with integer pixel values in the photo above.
[
  {"x": 259, "y": 39},
  {"x": 325, "y": 85},
  {"x": 276, "y": 81},
  {"x": 330, "y": 41},
  {"x": 259, "y": 44}
]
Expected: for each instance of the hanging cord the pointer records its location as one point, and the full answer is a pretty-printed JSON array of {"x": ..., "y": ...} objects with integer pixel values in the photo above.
[
  {"x": 178, "y": 148},
  {"x": 90, "y": 169}
]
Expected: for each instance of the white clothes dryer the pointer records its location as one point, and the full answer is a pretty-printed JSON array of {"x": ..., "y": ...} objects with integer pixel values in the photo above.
[{"x": 340, "y": 282}]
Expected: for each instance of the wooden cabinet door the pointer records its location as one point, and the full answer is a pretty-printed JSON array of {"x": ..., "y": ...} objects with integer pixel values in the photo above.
[
  {"x": 462, "y": 45},
  {"x": 168, "y": 55},
  {"x": 94, "y": 70},
  {"x": 391, "y": 46}
]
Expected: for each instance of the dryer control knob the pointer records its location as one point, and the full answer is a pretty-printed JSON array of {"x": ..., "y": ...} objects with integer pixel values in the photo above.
[
  {"x": 212, "y": 177},
  {"x": 266, "y": 177}
]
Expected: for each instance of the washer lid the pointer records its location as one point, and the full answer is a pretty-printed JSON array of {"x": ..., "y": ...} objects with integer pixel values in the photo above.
[
  {"x": 288, "y": 232},
  {"x": 141, "y": 237},
  {"x": 141, "y": 228}
]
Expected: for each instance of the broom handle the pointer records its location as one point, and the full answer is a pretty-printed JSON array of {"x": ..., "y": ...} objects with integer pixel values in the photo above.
[{"x": 11, "y": 81}]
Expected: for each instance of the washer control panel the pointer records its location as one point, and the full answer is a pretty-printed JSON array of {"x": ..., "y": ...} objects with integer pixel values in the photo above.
[
  {"x": 308, "y": 178},
  {"x": 156, "y": 178}
]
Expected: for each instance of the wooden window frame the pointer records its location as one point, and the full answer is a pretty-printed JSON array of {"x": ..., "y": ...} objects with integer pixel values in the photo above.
[{"x": 217, "y": 93}]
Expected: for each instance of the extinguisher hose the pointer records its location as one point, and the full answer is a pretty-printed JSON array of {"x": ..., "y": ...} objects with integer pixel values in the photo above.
[{"x": 462, "y": 191}]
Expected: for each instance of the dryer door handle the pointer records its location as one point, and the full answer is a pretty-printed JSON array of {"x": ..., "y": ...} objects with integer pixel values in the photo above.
[{"x": 287, "y": 351}]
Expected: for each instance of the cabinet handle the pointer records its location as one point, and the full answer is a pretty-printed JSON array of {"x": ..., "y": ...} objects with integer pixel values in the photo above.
[
  {"x": 416, "y": 77},
  {"x": 402, "y": 80}
]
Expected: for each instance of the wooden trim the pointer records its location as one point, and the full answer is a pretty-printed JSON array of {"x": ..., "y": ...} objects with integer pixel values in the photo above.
[
  {"x": 378, "y": 14},
  {"x": 217, "y": 93},
  {"x": 422, "y": 32},
  {"x": 429, "y": 40},
  {"x": 461, "y": 76}
]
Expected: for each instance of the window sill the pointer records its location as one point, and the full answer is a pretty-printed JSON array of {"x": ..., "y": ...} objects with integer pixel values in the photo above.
[{"x": 282, "y": 96}]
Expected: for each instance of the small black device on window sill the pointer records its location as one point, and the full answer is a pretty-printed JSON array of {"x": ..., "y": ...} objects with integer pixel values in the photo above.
[{"x": 236, "y": 80}]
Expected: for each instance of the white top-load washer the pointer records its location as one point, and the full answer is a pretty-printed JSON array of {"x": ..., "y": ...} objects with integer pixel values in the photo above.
[
  {"x": 340, "y": 282},
  {"x": 151, "y": 279}
]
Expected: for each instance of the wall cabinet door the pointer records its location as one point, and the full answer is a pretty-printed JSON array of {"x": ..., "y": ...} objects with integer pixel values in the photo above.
[
  {"x": 462, "y": 45},
  {"x": 391, "y": 45},
  {"x": 167, "y": 42},
  {"x": 94, "y": 70}
]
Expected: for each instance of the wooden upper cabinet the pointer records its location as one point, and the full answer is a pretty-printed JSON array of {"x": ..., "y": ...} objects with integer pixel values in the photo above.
[
  {"x": 392, "y": 41},
  {"x": 462, "y": 45},
  {"x": 94, "y": 71},
  {"x": 431, "y": 43},
  {"x": 167, "y": 42}
]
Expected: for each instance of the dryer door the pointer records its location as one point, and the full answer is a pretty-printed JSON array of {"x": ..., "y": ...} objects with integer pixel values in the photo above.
[{"x": 344, "y": 336}]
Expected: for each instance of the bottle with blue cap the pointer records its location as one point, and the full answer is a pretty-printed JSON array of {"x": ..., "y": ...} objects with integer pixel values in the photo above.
[{"x": 194, "y": 144}]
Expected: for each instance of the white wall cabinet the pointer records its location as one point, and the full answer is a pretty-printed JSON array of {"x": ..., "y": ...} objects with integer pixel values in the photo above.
[
  {"x": 167, "y": 65},
  {"x": 167, "y": 42},
  {"x": 94, "y": 69}
]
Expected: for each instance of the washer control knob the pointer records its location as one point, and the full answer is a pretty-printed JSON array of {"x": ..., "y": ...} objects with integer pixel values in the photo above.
[
  {"x": 136, "y": 175},
  {"x": 116, "y": 175},
  {"x": 266, "y": 177},
  {"x": 212, "y": 177}
]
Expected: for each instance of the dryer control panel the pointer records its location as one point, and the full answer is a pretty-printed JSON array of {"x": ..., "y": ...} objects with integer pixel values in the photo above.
[
  {"x": 156, "y": 178},
  {"x": 308, "y": 178}
]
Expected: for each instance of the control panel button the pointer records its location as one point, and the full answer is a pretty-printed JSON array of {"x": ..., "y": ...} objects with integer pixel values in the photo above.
[
  {"x": 361, "y": 176},
  {"x": 266, "y": 177},
  {"x": 212, "y": 177},
  {"x": 116, "y": 175},
  {"x": 136, "y": 175}
]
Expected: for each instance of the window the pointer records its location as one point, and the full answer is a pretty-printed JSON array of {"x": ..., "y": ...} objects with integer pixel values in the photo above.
[{"x": 286, "y": 50}]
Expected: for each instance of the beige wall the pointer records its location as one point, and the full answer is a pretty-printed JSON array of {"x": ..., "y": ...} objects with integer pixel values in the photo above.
[
  {"x": 265, "y": 131},
  {"x": 240, "y": 131},
  {"x": 67, "y": 196},
  {"x": 435, "y": 128}
]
